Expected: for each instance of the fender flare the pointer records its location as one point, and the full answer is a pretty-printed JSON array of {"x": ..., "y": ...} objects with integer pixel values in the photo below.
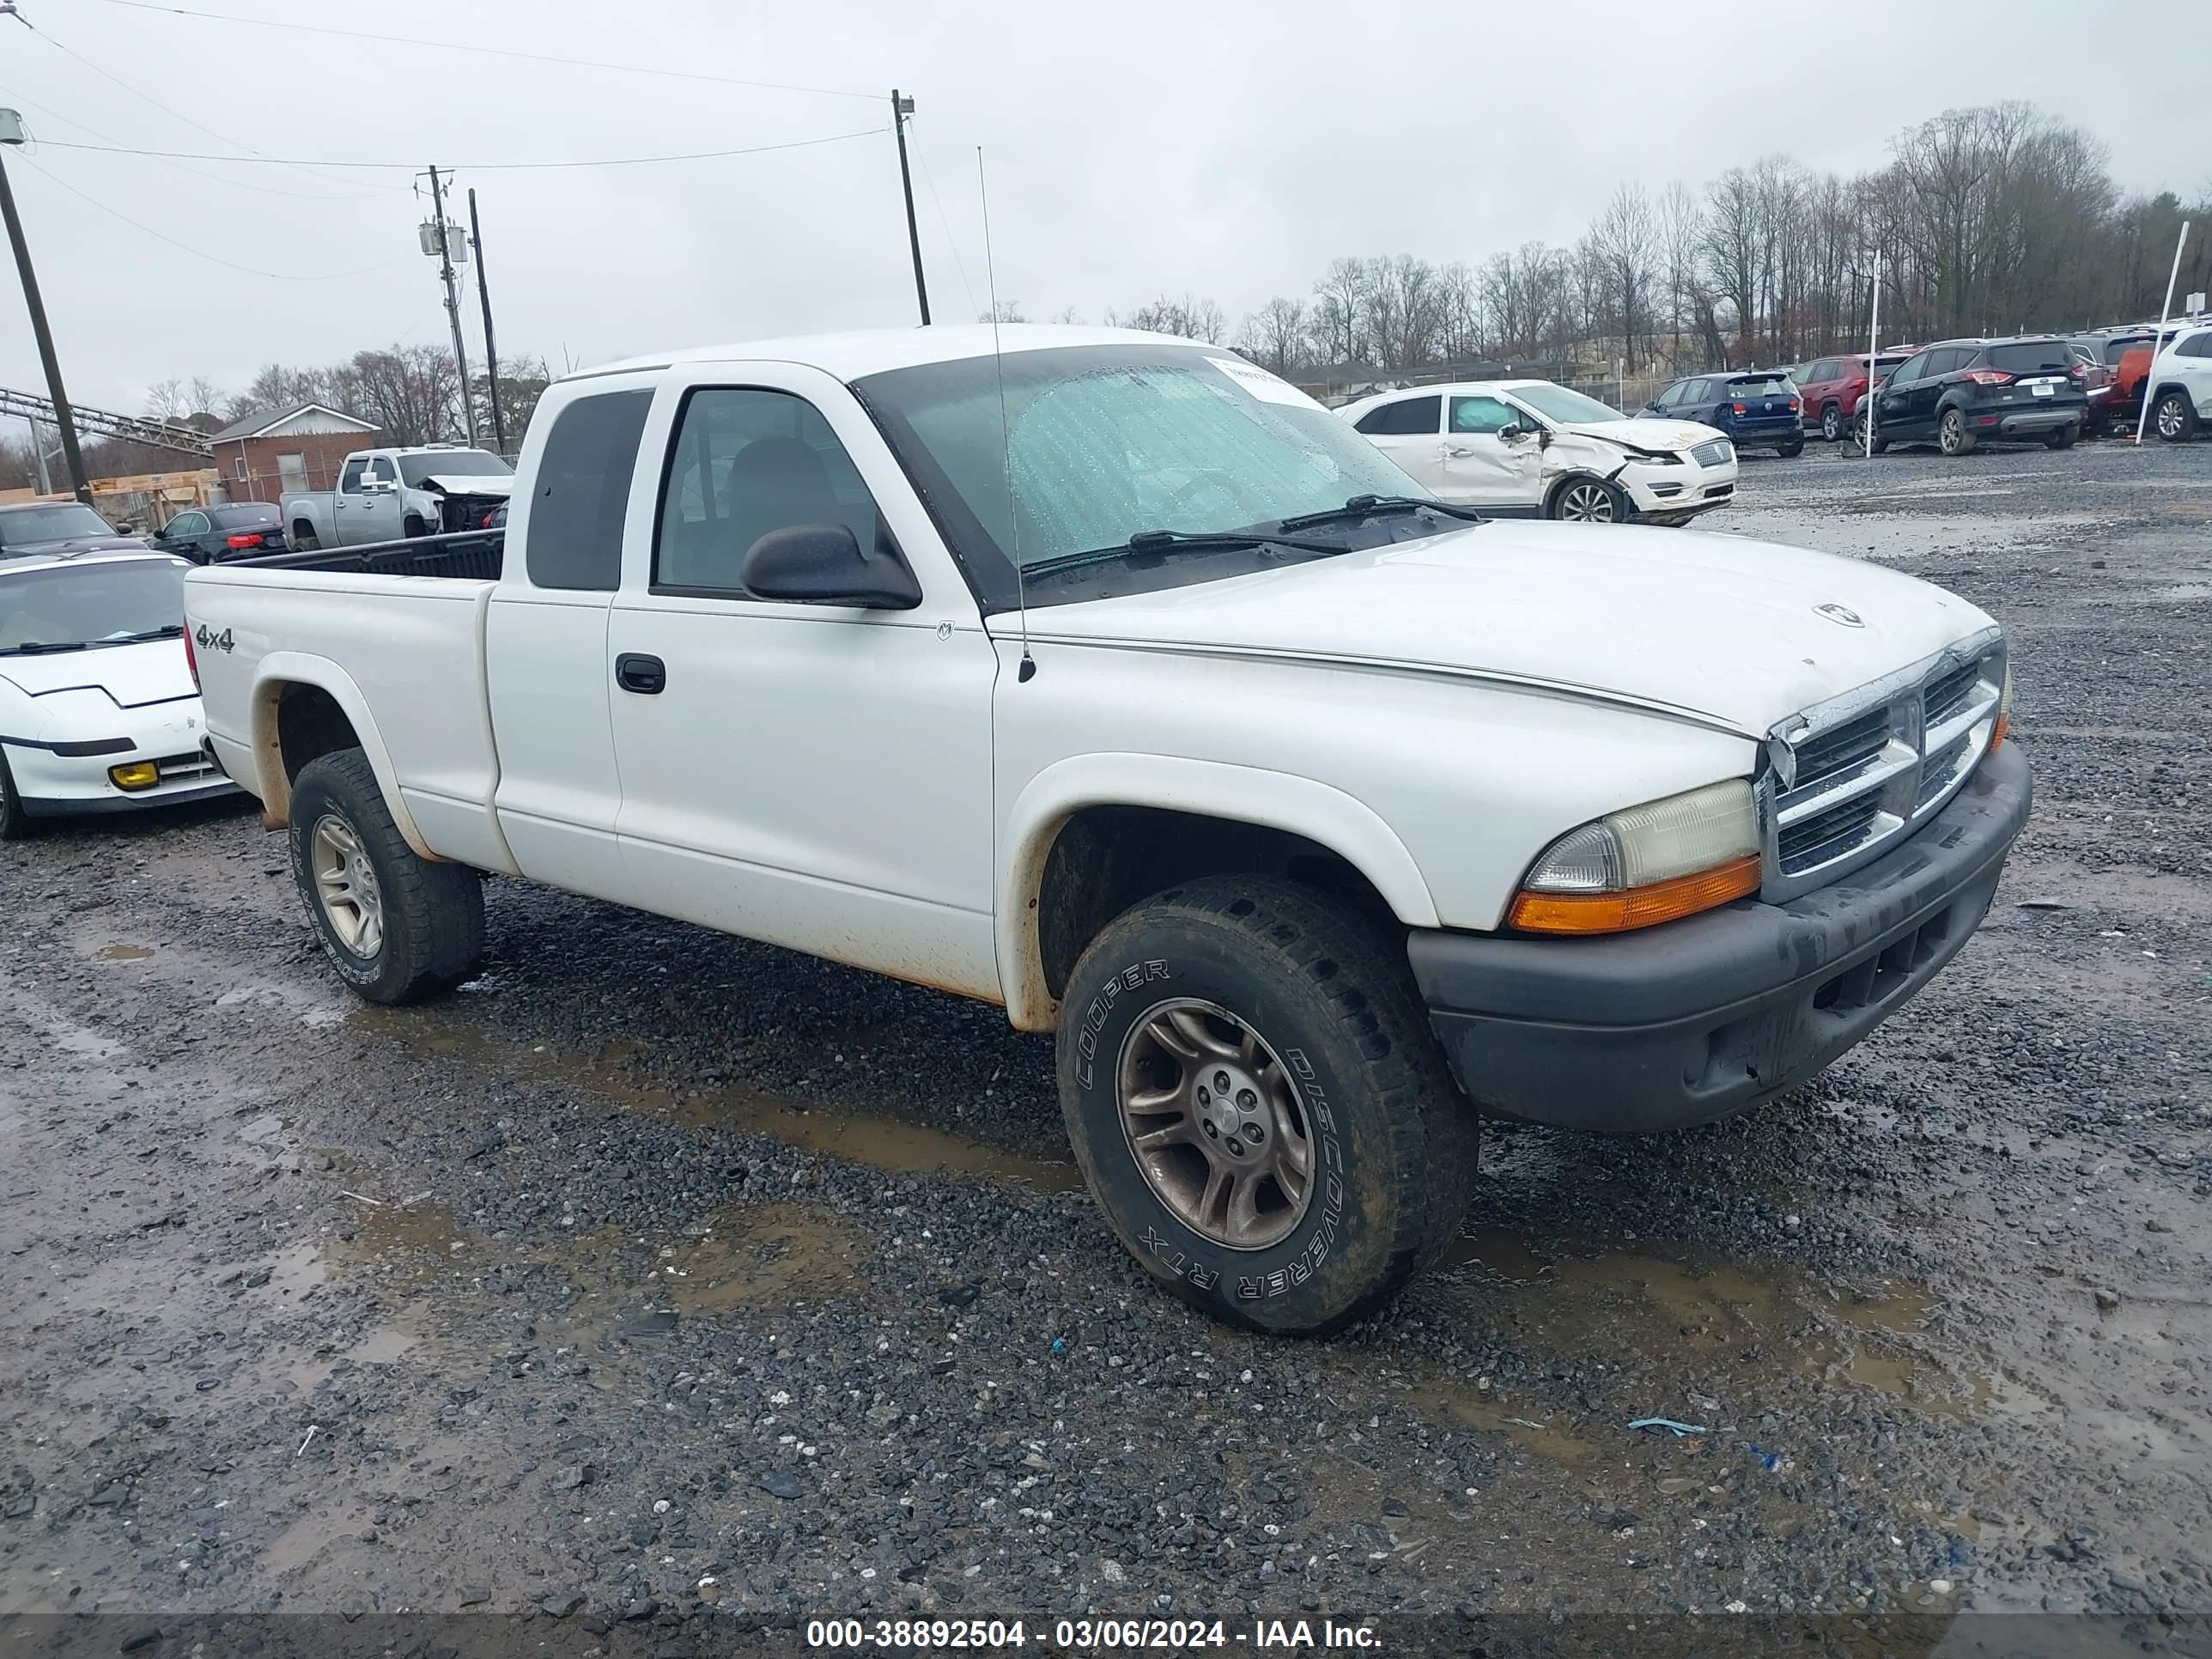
[
  {"x": 271, "y": 674},
  {"x": 1244, "y": 794}
]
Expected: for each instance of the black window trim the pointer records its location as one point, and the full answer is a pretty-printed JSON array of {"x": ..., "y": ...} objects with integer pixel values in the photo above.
[{"x": 886, "y": 537}]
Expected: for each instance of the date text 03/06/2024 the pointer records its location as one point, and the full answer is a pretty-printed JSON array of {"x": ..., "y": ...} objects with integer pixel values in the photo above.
[{"x": 1085, "y": 1634}]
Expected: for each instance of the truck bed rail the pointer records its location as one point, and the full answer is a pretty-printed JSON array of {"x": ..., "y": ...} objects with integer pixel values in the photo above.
[{"x": 472, "y": 554}]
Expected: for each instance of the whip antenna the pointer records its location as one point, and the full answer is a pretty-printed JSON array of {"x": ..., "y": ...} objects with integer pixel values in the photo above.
[{"x": 1027, "y": 672}]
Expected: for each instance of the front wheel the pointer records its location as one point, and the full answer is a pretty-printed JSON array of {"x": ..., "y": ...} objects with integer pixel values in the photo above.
[
  {"x": 1951, "y": 434},
  {"x": 1832, "y": 422},
  {"x": 15, "y": 821},
  {"x": 1259, "y": 1106},
  {"x": 397, "y": 927},
  {"x": 1587, "y": 501},
  {"x": 2175, "y": 417},
  {"x": 411, "y": 527}
]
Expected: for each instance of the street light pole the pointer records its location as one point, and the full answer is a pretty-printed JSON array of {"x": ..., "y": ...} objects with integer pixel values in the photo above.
[
  {"x": 11, "y": 132},
  {"x": 901, "y": 108}
]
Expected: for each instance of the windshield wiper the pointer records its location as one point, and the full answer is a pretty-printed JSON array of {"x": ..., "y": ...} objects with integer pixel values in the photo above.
[
  {"x": 1177, "y": 541},
  {"x": 1368, "y": 507},
  {"x": 167, "y": 631},
  {"x": 41, "y": 647}
]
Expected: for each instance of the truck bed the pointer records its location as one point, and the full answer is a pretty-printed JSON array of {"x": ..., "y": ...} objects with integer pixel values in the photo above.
[{"x": 472, "y": 554}]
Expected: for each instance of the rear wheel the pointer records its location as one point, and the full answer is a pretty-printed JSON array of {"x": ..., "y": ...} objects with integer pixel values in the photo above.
[
  {"x": 303, "y": 535},
  {"x": 1587, "y": 501},
  {"x": 2062, "y": 439},
  {"x": 397, "y": 927},
  {"x": 1951, "y": 434},
  {"x": 1259, "y": 1105},
  {"x": 1832, "y": 422},
  {"x": 2174, "y": 417},
  {"x": 1790, "y": 451}
]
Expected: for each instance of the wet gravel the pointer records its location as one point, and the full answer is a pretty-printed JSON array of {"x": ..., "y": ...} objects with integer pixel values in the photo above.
[{"x": 659, "y": 1277}]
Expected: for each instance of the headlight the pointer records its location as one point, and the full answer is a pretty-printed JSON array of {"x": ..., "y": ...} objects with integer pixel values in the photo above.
[{"x": 1647, "y": 865}]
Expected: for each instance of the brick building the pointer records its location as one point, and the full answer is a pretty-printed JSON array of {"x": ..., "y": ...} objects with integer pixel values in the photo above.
[{"x": 267, "y": 451}]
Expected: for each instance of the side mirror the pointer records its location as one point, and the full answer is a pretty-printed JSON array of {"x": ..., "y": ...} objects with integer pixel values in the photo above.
[
  {"x": 1511, "y": 430},
  {"x": 822, "y": 564},
  {"x": 126, "y": 528},
  {"x": 1650, "y": 409}
]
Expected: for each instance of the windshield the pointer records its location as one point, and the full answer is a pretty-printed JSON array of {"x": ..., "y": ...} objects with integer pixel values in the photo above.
[
  {"x": 1101, "y": 443},
  {"x": 1560, "y": 404},
  {"x": 104, "y": 602},
  {"x": 63, "y": 521},
  {"x": 452, "y": 464}
]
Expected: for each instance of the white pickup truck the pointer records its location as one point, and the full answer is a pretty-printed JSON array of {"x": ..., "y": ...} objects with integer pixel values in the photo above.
[
  {"x": 1111, "y": 680},
  {"x": 384, "y": 494}
]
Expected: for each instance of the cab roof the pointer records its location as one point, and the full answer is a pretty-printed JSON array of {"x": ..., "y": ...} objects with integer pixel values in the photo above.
[{"x": 851, "y": 355}]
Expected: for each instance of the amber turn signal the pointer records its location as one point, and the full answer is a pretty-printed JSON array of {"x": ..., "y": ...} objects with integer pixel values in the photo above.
[
  {"x": 1997, "y": 732},
  {"x": 135, "y": 774},
  {"x": 1635, "y": 907}
]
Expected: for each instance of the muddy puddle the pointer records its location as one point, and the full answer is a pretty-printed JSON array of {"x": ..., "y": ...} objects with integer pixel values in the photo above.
[
  {"x": 1759, "y": 1328},
  {"x": 893, "y": 1145}
]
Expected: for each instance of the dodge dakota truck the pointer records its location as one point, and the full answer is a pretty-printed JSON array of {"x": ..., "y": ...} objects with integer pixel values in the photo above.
[
  {"x": 386, "y": 493},
  {"x": 1107, "y": 677}
]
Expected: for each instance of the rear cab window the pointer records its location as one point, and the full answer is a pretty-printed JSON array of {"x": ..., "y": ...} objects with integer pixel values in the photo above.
[{"x": 580, "y": 492}]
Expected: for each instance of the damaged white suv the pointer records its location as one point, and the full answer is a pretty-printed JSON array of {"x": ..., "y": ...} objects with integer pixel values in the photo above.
[{"x": 1534, "y": 449}]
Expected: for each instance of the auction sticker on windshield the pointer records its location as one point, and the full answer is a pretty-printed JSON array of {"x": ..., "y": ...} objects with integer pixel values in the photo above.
[{"x": 1260, "y": 384}]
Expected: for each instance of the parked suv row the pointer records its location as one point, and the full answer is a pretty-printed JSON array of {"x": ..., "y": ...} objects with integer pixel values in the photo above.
[{"x": 1833, "y": 389}]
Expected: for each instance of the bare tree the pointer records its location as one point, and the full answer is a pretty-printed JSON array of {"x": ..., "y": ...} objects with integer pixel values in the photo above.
[
  {"x": 1190, "y": 319},
  {"x": 1006, "y": 311},
  {"x": 1338, "y": 297},
  {"x": 1626, "y": 249},
  {"x": 1274, "y": 336}
]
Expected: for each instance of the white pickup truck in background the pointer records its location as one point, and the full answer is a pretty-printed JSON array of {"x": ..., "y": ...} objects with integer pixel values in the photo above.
[
  {"x": 385, "y": 495},
  {"x": 1112, "y": 679}
]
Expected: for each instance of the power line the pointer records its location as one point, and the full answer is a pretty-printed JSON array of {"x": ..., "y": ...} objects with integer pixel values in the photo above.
[
  {"x": 371, "y": 191},
  {"x": 383, "y": 39},
  {"x": 472, "y": 166},
  {"x": 148, "y": 98},
  {"x": 201, "y": 253}
]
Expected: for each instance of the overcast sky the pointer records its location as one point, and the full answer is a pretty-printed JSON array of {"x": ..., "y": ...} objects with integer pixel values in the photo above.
[{"x": 1228, "y": 150}]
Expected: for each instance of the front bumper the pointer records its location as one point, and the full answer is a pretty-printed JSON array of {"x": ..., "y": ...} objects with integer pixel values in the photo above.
[
  {"x": 53, "y": 782},
  {"x": 1701, "y": 1018}
]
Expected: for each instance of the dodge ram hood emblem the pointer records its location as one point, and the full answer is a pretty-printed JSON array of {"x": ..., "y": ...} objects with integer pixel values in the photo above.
[{"x": 1841, "y": 614}]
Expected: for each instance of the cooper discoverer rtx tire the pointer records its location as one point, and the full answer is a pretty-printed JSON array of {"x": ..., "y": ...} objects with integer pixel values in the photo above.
[
  {"x": 1259, "y": 1105},
  {"x": 397, "y": 927}
]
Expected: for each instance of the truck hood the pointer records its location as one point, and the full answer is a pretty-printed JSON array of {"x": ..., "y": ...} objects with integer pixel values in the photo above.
[
  {"x": 1735, "y": 632},
  {"x": 1647, "y": 432},
  {"x": 130, "y": 675},
  {"x": 472, "y": 484}
]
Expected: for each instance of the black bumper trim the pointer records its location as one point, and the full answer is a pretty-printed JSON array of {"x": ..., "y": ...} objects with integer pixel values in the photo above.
[
  {"x": 1701, "y": 1018},
  {"x": 78, "y": 750},
  {"x": 62, "y": 806}
]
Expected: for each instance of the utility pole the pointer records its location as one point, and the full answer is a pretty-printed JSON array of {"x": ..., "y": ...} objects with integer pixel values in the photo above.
[
  {"x": 491, "y": 350},
  {"x": 11, "y": 132},
  {"x": 452, "y": 303},
  {"x": 901, "y": 108}
]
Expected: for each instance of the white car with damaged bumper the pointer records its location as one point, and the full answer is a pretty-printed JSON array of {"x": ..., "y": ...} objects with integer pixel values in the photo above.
[
  {"x": 1535, "y": 449},
  {"x": 98, "y": 710}
]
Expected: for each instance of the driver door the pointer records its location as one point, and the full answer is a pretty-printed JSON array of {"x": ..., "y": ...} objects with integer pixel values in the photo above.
[
  {"x": 1480, "y": 466},
  {"x": 379, "y": 520}
]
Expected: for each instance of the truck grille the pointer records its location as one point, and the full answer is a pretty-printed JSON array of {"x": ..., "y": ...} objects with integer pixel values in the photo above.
[{"x": 1857, "y": 774}]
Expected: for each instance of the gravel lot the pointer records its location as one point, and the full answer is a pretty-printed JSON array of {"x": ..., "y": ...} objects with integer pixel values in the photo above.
[{"x": 661, "y": 1277}]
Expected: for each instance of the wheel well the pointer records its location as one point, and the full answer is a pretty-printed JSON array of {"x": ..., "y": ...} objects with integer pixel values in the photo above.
[
  {"x": 310, "y": 724},
  {"x": 1106, "y": 859},
  {"x": 303, "y": 529}
]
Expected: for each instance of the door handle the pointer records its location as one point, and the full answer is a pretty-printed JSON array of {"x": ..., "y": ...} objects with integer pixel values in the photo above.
[
  {"x": 1454, "y": 449},
  {"x": 635, "y": 672}
]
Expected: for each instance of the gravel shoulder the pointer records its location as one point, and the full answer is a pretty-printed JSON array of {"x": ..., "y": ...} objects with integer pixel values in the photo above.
[{"x": 661, "y": 1276}]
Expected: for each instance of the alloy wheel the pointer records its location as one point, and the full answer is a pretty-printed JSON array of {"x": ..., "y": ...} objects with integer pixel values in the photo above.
[
  {"x": 1216, "y": 1124},
  {"x": 1587, "y": 503},
  {"x": 1954, "y": 431},
  {"x": 2169, "y": 419},
  {"x": 345, "y": 886}
]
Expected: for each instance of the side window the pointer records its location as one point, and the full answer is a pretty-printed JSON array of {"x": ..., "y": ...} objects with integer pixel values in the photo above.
[
  {"x": 582, "y": 491},
  {"x": 2197, "y": 345},
  {"x": 1409, "y": 417},
  {"x": 187, "y": 524},
  {"x": 1908, "y": 371},
  {"x": 380, "y": 471},
  {"x": 745, "y": 462},
  {"x": 1821, "y": 372},
  {"x": 349, "y": 481},
  {"x": 1482, "y": 416}
]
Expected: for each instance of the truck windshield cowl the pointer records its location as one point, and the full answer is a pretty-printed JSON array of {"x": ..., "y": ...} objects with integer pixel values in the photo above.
[{"x": 1100, "y": 444}]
